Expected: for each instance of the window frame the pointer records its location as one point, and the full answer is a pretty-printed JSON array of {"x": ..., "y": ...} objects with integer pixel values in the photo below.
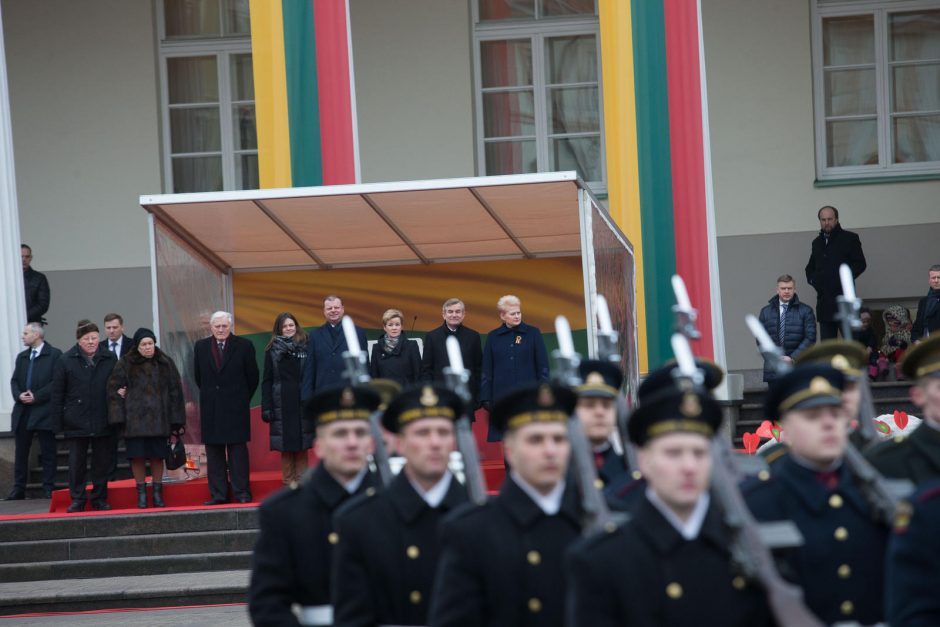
[{"x": 880, "y": 10}]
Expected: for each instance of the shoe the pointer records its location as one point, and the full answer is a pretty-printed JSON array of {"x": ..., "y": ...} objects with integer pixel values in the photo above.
[
  {"x": 100, "y": 506},
  {"x": 15, "y": 495},
  {"x": 158, "y": 495},
  {"x": 76, "y": 506},
  {"x": 141, "y": 496},
  {"x": 215, "y": 502},
  {"x": 244, "y": 499}
]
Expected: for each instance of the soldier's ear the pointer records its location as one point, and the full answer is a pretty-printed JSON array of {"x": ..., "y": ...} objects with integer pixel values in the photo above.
[{"x": 918, "y": 395}]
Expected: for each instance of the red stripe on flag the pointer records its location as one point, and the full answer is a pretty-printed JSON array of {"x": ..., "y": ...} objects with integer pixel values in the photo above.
[{"x": 336, "y": 124}]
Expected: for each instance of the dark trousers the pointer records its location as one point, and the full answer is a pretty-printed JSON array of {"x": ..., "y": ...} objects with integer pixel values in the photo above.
[
  {"x": 112, "y": 470},
  {"x": 230, "y": 458},
  {"x": 47, "y": 454},
  {"x": 828, "y": 330},
  {"x": 78, "y": 467}
]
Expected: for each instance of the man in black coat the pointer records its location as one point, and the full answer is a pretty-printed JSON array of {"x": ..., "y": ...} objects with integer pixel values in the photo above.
[
  {"x": 502, "y": 561},
  {"x": 293, "y": 555},
  {"x": 383, "y": 567},
  {"x": 37, "y": 288},
  {"x": 928, "y": 308},
  {"x": 32, "y": 390},
  {"x": 435, "y": 357},
  {"x": 325, "y": 347},
  {"x": 798, "y": 329},
  {"x": 115, "y": 341},
  {"x": 597, "y": 410},
  {"x": 912, "y": 573},
  {"x": 226, "y": 372},
  {"x": 831, "y": 248}
]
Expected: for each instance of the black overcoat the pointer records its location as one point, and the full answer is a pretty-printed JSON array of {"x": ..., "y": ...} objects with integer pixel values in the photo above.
[
  {"x": 324, "y": 367},
  {"x": 80, "y": 393},
  {"x": 402, "y": 365},
  {"x": 153, "y": 404},
  {"x": 915, "y": 457},
  {"x": 38, "y": 414},
  {"x": 36, "y": 286},
  {"x": 912, "y": 575},
  {"x": 290, "y": 430},
  {"x": 435, "y": 359},
  {"x": 225, "y": 394},
  {"x": 822, "y": 270}
]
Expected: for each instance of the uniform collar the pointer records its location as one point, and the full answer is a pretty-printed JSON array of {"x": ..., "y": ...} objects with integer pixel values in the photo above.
[
  {"x": 410, "y": 504},
  {"x": 436, "y": 493},
  {"x": 549, "y": 503},
  {"x": 664, "y": 538},
  {"x": 804, "y": 482},
  {"x": 688, "y": 529},
  {"x": 331, "y": 491},
  {"x": 526, "y": 512}
]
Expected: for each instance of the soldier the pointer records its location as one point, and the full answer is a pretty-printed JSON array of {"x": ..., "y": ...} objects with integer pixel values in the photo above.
[
  {"x": 597, "y": 410},
  {"x": 669, "y": 564},
  {"x": 916, "y": 457},
  {"x": 291, "y": 563},
  {"x": 502, "y": 561},
  {"x": 912, "y": 575},
  {"x": 388, "y": 542},
  {"x": 840, "y": 564}
]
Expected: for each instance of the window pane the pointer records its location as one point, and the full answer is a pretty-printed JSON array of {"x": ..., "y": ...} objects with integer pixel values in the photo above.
[
  {"x": 192, "y": 79},
  {"x": 852, "y": 142},
  {"x": 511, "y": 157},
  {"x": 508, "y": 113},
  {"x": 554, "y": 8},
  {"x": 848, "y": 40},
  {"x": 572, "y": 59},
  {"x": 850, "y": 92},
  {"x": 916, "y": 88},
  {"x": 246, "y": 172},
  {"x": 237, "y": 20},
  {"x": 915, "y": 36},
  {"x": 574, "y": 110},
  {"x": 578, "y": 153},
  {"x": 917, "y": 138},
  {"x": 191, "y": 18},
  {"x": 194, "y": 130},
  {"x": 506, "y": 63},
  {"x": 197, "y": 174},
  {"x": 243, "y": 82},
  {"x": 245, "y": 132},
  {"x": 506, "y": 9}
]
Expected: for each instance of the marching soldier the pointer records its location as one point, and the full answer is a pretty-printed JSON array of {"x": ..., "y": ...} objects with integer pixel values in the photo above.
[
  {"x": 388, "y": 548},
  {"x": 291, "y": 562},
  {"x": 912, "y": 575},
  {"x": 669, "y": 564},
  {"x": 597, "y": 410},
  {"x": 502, "y": 562},
  {"x": 840, "y": 564},
  {"x": 916, "y": 457}
]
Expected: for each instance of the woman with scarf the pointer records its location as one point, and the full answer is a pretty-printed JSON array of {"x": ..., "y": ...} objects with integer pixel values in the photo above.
[
  {"x": 394, "y": 356},
  {"x": 928, "y": 309}
]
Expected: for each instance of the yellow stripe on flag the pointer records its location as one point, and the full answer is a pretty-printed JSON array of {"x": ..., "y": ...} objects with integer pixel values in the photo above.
[{"x": 273, "y": 125}]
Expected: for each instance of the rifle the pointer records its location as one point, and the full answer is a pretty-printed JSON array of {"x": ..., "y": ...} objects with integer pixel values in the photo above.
[
  {"x": 457, "y": 377},
  {"x": 357, "y": 374},
  {"x": 849, "y": 316}
]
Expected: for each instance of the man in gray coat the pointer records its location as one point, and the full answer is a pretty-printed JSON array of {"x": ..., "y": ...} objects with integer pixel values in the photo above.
[{"x": 790, "y": 323}]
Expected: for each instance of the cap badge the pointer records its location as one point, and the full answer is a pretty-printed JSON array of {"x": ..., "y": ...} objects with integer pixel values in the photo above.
[
  {"x": 839, "y": 362},
  {"x": 428, "y": 397},
  {"x": 594, "y": 378},
  {"x": 546, "y": 397},
  {"x": 819, "y": 385},
  {"x": 690, "y": 406},
  {"x": 348, "y": 399}
]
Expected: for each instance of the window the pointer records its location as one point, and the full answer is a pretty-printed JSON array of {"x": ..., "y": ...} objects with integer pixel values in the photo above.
[
  {"x": 208, "y": 107},
  {"x": 877, "y": 88},
  {"x": 537, "y": 87}
]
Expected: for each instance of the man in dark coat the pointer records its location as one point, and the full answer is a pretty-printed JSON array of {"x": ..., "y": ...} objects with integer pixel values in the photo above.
[
  {"x": 502, "y": 561},
  {"x": 435, "y": 357},
  {"x": 928, "y": 308},
  {"x": 36, "y": 286},
  {"x": 383, "y": 567},
  {"x": 912, "y": 573},
  {"x": 790, "y": 323},
  {"x": 118, "y": 343},
  {"x": 226, "y": 372},
  {"x": 292, "y": 558},
  {"x": 831, "y": 248},
  {"x": 324, "y": 366},
  {"x": 597, "y": 410},
  {"x": 32, "y": 391}
]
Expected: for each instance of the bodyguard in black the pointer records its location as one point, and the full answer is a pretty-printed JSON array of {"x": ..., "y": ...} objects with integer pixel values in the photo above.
[
  {"x": 912, "y": 576},
  {"x": 388, "y": 546},
  {"x": 502, "y": 561},
  {"x": 292, "y": 558},
  {"x": 435, "y": 359}
]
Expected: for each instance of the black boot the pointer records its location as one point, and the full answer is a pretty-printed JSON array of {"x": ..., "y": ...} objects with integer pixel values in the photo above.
[
  {"x": 158, "y": 495},
  {"x": 142, "y": 495}
]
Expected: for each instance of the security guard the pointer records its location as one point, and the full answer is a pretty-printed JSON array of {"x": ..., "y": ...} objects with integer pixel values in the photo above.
[
  {"x": 597, "y": 410},
  {"x": 840, "y": 565},
  {"x": 669, "y": 564},
  {"x": 291, "y": 562},
  {"x": 502, "y": 562},
  {"x": 383, "y": 568},
  {"x": 912, "y": 575},
  {"x": 916, "y": 457}
]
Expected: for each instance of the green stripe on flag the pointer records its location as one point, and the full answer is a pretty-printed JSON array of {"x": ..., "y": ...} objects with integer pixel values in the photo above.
[{"x": 303, "y": 105}]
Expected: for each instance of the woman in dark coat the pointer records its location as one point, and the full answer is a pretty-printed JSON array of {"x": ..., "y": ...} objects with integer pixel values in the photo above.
[
  {"x": 146, "y": 399},
  {"x": 394, "y": 356},
  {"x": 291, "y": 433},
  {"x": 80, "y": 412}
]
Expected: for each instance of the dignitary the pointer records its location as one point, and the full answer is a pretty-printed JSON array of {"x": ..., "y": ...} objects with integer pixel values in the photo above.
[
  {"x": 912, "y": 575},
  {"x": 388, "y": 548},
  {"x": 293, "y": 556},
  {"x": 226, "y": 372},
  {"x": 118, "y": 343},
  {"x": 502, "y": 561},
  {"x": 597, "y": 411},
  {"x": 394, "y": 356},
  {"x": 324, "y": 366},
  {"x": 435, "y": 359}
]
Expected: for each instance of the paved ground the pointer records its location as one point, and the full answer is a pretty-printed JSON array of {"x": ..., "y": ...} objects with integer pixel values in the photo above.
[{"x": 229, "y": 615}]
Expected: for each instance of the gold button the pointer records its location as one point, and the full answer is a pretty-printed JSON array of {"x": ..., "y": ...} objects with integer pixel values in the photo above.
[
  {"x": 847, "y": 608},
  {"x": 637, "y": 474},
  {"x": 333, "y": 538},
  {"x": 414, "y": 597},
  {"x": 738, "y": 583},
  {"x": 899, "y": 438},
  {"x": 535, "y": 606},
  {"x": 674, "y": 591},
  {"x": 845, "y": 571},
  {"x": 534, "y": 558},
  {"x": 841, "y": 533},
  {"x": 763, "y": 475},
  {"x": 599, "y": 483},
  {"x": 610, "y": 526},
  {"x": 835, "y": 501},
  {"x": 413, "y": 552},
  {"x": 370, "y": 491}
]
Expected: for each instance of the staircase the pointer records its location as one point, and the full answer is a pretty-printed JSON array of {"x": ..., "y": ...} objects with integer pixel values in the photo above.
[
  {"x": 157, "y": 559},
  {"x": 34, "y": 480}
]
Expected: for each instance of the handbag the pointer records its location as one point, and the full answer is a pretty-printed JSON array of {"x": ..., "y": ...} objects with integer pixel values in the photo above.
[{"x": 175, "y": 455}]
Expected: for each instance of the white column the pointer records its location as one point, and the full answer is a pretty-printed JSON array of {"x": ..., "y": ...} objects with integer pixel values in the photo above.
[{"x": 13, "y": 301}]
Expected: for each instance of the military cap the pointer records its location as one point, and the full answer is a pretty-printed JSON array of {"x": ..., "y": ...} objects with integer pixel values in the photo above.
[
  {"x": 807, "y": 385},
  {"x": 662, "y": 380},
  {"x": 342, "y": 403},
  {"x": 844, "y": 355},
  {"x": 601, "y": 379},
  {"x": 421, "y": 401},
  {"x": 545, "y": 402},
  {"x": 387, "y": 390},
  {"x": 923, "y": 360},
  {"x": 671, "y": 409}
]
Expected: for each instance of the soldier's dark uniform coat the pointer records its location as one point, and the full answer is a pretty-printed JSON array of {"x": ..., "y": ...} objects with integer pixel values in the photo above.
[
  {"x": 840, "y": 566},
  {"x": 383, "y": 567},
  {"x": 502, "y": 562},
  {"x": 915, "y": 457},
  {"x": 912, "y": 576},
  {"x": 291, "y": 562},
  {"x": 611, "y": 466}
]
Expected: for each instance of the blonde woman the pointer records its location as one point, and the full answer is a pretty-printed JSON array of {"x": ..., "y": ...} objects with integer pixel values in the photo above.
[{"x": 394, "y": 356}]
